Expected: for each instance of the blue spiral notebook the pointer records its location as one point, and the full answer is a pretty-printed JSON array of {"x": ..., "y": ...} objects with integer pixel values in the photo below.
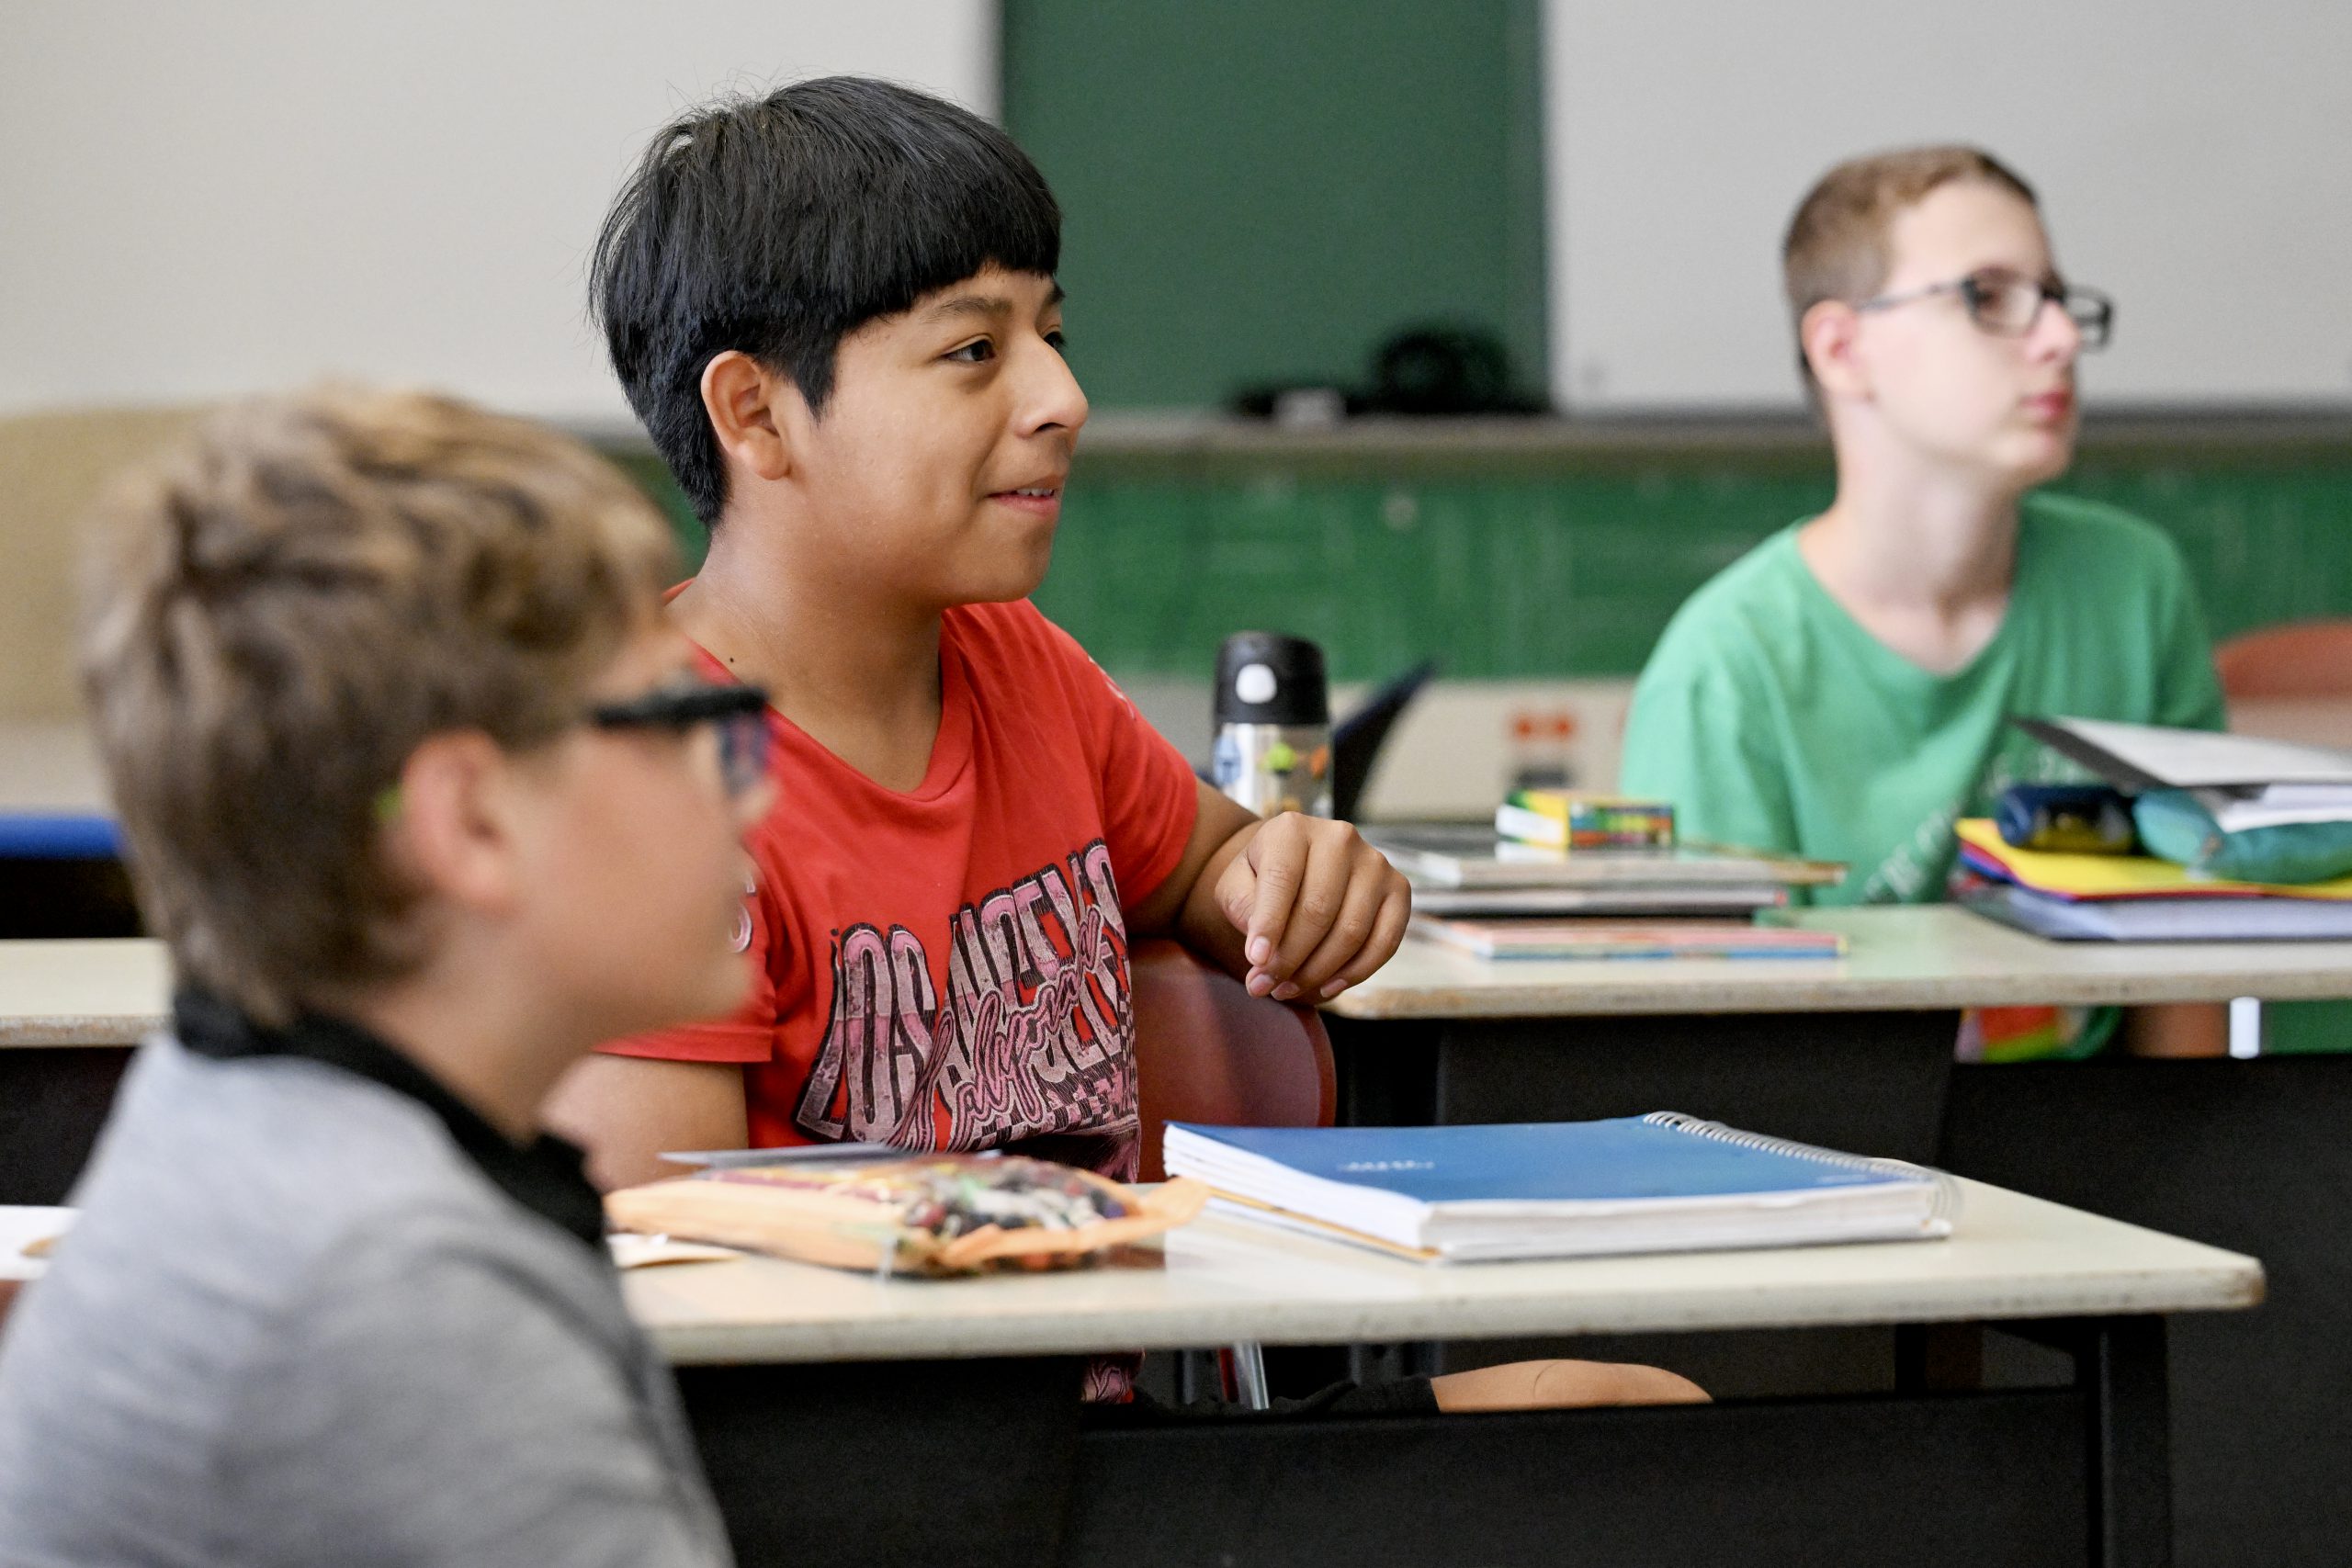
[{"x": 1664, "y": 1182}]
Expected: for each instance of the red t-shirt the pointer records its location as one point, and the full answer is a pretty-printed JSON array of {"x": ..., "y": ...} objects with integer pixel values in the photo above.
[{"x": 948, "y": 968}]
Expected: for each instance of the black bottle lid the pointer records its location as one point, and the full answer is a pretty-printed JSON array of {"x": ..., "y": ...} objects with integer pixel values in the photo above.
[{"x": 1267, "y": 678}]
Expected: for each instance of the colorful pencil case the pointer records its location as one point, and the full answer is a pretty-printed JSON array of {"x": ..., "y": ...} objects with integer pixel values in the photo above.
[{"x": 933, "y": 1214}]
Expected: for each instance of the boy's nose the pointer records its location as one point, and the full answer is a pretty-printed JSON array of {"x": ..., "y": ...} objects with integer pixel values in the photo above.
[
  {"x": 2055, "y": 335},
  {"x": 1050, "y": 393}
]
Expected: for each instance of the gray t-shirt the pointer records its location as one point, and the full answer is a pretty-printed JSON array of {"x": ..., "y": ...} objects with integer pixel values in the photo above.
[{"x": 296, "y": 1324}]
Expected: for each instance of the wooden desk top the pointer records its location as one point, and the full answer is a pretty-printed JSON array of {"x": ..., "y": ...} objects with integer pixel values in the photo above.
[
  {"x": 1222, "y": 1281},
  {"x": 1912, "y": 956},
  {"x": 83, "y": 993}
]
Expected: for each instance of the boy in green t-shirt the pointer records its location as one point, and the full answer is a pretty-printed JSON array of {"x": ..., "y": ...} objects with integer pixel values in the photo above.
[{"x": 1844, "y": 691}]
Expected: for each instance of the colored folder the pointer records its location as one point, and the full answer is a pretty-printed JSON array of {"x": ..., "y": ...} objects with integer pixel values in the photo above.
[{"x": 2115, "y": 876}]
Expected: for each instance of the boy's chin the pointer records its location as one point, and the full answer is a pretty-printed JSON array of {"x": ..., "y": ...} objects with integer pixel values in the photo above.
[
  {"x": 2040, "y": 460},
  {"x": 1014, "y": 577}
]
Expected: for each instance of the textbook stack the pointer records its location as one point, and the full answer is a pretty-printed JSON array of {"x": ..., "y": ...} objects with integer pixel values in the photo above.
[
  {"x": 2245, "y": 786},
  {"x": 2087, "y": 897},
  {"x": 1477, "y": 888}
]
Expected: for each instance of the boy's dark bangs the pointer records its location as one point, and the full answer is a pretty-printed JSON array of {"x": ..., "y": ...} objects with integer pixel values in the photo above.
[{"x": 919, "y": 230}]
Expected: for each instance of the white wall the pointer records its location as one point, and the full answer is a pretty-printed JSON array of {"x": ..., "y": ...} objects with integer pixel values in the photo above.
[
  {"x": 206, "y": 199},
  {"x": 2194, "y": 159}
]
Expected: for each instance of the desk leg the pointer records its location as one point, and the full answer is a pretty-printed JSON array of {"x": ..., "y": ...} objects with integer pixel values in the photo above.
[{"x": 2122, "y": 1363}]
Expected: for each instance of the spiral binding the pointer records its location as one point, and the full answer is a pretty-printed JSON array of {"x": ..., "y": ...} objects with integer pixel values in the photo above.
[{"x": 1946, "y": 1207}]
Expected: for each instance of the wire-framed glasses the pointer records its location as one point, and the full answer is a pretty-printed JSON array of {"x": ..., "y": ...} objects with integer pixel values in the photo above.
[{"x": 2007, "y": 304}]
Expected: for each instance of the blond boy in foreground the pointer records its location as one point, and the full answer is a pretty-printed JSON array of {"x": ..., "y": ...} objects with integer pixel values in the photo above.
[{"x": 423, "y": 795}]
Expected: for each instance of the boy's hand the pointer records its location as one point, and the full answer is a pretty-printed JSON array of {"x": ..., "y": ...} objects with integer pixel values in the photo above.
[{"x": 1319, "y": 909}]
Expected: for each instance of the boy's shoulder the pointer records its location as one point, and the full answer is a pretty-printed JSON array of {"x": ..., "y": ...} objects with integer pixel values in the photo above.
[
  {"x": 271, "y": 1170},
  {"x": 1015, "y": 628},
  {"x": 1741, "y": 614},
  {"x": 1010, "y": 646},
  {"x": 2067, "y": 529}
]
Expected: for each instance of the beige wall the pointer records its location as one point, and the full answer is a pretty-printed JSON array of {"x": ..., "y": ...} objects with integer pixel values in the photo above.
[
  {"x": 208, "y": 201},
  {"x": 52, "y": 466}
]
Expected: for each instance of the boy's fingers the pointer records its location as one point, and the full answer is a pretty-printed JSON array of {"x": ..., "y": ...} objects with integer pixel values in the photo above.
[
  {"x": 1387, "y": 931},
  {"x": 1322, "y": 893},
  {"x": 1277, "y": 859},
  {"x": 1359, "y": 911}
]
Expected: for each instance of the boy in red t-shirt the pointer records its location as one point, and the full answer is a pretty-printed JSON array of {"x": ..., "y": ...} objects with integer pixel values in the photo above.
[{"x": 834, "y": 308}]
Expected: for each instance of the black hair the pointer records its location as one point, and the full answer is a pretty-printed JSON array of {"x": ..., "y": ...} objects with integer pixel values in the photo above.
[{"x": 776, "y": 226}]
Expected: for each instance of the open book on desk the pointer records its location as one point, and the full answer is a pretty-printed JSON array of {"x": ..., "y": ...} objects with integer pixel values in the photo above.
[
  {"x": 1664, "y": 1182},
  {"x": 2244, "y": 781}
]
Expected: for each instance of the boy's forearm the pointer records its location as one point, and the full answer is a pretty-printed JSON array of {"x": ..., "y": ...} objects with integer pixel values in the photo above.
[
  {"x": 627, "y": 1111},
  {"x": 1185, "y": 905},
  {"x": 1202, "y": 924}
]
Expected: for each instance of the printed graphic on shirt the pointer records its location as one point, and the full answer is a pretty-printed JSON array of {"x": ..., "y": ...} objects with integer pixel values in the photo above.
[
  {"x": 1034, "y": 1037},
  {"x": 1904, "y": 873}
]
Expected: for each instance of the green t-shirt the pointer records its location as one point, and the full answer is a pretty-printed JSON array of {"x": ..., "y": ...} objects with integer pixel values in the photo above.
[{"x": 1769, "y": 717}]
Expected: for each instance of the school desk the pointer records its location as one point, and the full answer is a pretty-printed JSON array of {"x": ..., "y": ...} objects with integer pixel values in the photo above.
[
  {"x": 851, "y": 1419},
  {"x": 1856, "y": 1053},
  {"x": 2245, "y": 1154}
]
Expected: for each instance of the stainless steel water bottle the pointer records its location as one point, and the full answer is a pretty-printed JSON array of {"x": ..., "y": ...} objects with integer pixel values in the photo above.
[{"x": 1273, "y": 725}]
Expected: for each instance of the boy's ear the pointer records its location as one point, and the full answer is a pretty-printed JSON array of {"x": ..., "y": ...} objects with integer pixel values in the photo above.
[
  {"x": 453, "y": 834},
  {"x": 1828, "y": 333},
  {"x": 740, "y": 396}
]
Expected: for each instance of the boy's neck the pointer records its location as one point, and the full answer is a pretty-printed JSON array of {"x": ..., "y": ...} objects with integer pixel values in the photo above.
[
  {"x": 858, "y": 672},
  {"x": 477, "y": 1042},
  {"x": 1923, "y": 559}
]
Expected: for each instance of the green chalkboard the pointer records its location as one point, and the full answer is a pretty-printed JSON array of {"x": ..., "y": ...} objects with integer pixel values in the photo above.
[
  {"x": 1564, "y": 566},
  {"x": 1259, "y": 193}
]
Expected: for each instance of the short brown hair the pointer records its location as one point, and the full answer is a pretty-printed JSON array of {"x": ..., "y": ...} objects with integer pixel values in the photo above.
[
  {"x": 1836, "y": 244},
  {"x": 277, "y": 615}
]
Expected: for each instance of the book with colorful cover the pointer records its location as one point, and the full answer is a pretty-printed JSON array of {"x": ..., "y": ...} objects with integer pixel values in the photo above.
[
  {"x": 1664, "y": 1182},
  {"x": 1571, "y": 820},
  {"x": 1593, "y": 938}
]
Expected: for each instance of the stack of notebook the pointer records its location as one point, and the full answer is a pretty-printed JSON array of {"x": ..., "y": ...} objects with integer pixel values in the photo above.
[
  {"x": 1479, "y": 889},
  {"x": 1472, "y": 870},
  {"x": 2086, "y": 897},
  {"x": 1659, "y": 1183}
]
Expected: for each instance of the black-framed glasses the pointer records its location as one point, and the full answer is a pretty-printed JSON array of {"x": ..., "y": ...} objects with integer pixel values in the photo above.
[
  {"x": 739, "y": 713},
  {"x": 2007, "y": 304}
]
